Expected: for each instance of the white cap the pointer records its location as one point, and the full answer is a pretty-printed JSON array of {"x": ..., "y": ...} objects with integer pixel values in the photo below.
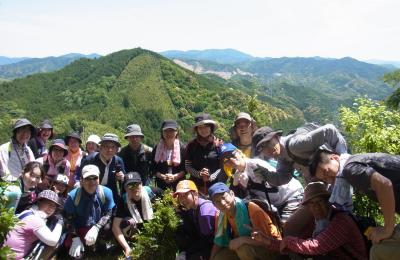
[
  {"x": 94, "y": 138},
  {"x": 90, "y": 170}
]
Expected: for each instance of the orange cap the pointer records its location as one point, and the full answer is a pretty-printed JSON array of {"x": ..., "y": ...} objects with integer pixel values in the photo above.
[{"x": 185, "y": 186}]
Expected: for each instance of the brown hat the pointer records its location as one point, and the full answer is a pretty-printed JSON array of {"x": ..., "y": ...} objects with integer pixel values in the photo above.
[
  {"x": 204, "y": 119},
  {"x": 315, "y": 189}
]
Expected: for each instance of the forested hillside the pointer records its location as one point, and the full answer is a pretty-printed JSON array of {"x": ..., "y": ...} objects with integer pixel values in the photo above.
[{"x": 130, "y": 86}]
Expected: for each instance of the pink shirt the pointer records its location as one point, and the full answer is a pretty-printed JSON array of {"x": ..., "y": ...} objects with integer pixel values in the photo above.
[{"x": 22, "y": 238}]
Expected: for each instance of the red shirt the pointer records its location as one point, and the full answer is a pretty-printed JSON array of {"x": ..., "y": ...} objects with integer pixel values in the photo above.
[{"x": 341, "y": 232}]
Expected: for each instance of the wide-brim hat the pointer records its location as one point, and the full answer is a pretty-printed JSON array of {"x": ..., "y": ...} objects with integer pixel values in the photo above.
[
  {"x": 21, "y": 122},
  {"x": 108, "y": 137},
  {"x": 185, "y": 186},
  {"x": 204, "y": 119},
  {"x": 49, "y": 195},
  {"x": 59, "y": 143},
  {"x": 133, "y": 130},
  {"x": 264, "y": 134},
  {"x": 46, "y": 124},
  {"x": 313, "y": 190},
  {"x": 73, "y": 135}
]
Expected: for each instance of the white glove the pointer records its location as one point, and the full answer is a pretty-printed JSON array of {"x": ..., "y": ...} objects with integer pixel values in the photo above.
[
  {"x": 76, "y": 248},
  {"x": 181, "y": 256},
  {"x": 91, "y": 235}
]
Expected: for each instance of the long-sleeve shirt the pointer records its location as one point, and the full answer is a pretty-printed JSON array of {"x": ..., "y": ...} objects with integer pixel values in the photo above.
[{"x": 341, "y": 239}]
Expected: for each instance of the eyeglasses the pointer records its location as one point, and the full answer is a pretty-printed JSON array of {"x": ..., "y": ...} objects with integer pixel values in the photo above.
[{"x": 91, "y": 178}]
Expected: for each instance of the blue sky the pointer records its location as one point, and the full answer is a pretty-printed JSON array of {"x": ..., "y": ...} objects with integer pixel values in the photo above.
[{"x": 362, "y": 29}]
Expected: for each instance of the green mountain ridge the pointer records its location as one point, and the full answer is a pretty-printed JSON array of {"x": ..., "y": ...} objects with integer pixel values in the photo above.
[{"x": 130, "y": 86}]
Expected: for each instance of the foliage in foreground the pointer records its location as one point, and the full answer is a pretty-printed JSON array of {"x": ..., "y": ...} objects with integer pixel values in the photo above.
[
  {"x": 370, "y": 126},
  {"x": 156, "y": 240},
  {"x": 7, "y": 221}
]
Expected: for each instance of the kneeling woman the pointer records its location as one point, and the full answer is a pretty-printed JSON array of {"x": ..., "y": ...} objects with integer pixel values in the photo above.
[{"x": 33, "y": 227}]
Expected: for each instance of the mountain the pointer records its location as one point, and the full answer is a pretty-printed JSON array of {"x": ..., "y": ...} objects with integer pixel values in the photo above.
[
  {"x": 131, "y": 86},
  {"x": 225, "y": 56},
  {"x": 317, "y": 86},
  {"x": 386, "y": 63},
  {"x": 39, "y": 65},
  {"x": 8, "y": 60}
]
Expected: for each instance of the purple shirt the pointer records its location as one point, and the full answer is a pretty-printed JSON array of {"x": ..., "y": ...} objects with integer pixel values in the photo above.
[{"x": 206, "y": 217}]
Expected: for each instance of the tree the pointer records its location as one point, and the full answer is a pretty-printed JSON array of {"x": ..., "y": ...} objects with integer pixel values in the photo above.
[
  {"x": 393, "y": 79},
  {"x": 7, "y": 221}
]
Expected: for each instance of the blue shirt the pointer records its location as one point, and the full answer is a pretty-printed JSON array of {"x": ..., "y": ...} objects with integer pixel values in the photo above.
[{"x": 89, "y": 208}]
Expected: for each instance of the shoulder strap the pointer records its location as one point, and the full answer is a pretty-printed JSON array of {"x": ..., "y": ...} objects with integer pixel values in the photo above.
[
  {"x": 101, "y": 195},
  {"x": 26, "y": 214},
  {"x": 78, "y": 195}
]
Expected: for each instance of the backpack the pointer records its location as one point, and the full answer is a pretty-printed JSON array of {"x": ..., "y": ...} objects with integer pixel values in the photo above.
[
  {"x": 100, "y": 195},
  {"x": 306, "y": 128},
  {"x": 363, "y": 223},
  {"x": 271, "y": 211}
]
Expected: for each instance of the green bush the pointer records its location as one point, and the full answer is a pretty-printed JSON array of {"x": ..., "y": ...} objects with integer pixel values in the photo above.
[
  {"x": 7, "y": 221},
  {"x": 156, "y": 240}
]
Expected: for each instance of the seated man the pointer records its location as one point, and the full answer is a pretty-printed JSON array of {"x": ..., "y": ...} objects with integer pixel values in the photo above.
[
  {"x": 378, "y": 176},
  {"x": 234, "y": 224},
  {"x": 88, "y": 210},
  {"x": 133, "y": 209},
  {"x": 196, "y": 234},
  {"x": 336, "y": 235}
]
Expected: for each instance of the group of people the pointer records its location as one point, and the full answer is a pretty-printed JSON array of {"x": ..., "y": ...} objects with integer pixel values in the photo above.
[{"x": 237, "y": 200}]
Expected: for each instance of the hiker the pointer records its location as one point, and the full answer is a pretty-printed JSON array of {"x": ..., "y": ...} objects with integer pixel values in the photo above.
[
  {"x": 242, "y": 132},
  {"x": 60, "y": 186},
  {"x": 88, "y": 211},
  {"x": 168, "y": 162},
  {"x": 56, "y": 163},
  {"x": 38, "y": 143},
  {"x": 201, "y": 155},
  {"x": 92, "y": 144},
  {"x": 376, "y": 175},
  {"x": 295, "y": 151},
  {"x": 75, "y": 154},
  {"x": 33, "y": 227},
  {"x": 21, "y": 195},
  {"x": 336, "y": 234},
  {"x": 234, "y": 224},
  {"x": 133, "y": 209},
  {"x": 195, "y": 235},
  {"x": 136, "y": 155},
  {"x": 16, "y": 153},
  {"x": 285, "y": 198},
  {"x": 111, "y": 166}
]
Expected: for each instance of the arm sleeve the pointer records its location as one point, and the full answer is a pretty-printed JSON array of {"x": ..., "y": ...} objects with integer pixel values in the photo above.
[
  {"x": 189, "y": 168},
  {"x": 215, "y": 174},
  {"x": 261, "y": 221},
  {"x": 47, "y": 236},
  {"x": 358, "y": 175},
  {"x": 334, "y": 236}
]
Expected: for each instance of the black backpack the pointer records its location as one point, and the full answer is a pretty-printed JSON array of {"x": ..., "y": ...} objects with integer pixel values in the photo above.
[{"x": 306, "y": 128}]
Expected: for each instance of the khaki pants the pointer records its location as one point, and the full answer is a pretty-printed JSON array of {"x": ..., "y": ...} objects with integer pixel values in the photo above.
[
  {"x": 245, "y": 252},
  {"x": 388, "y": 249}
]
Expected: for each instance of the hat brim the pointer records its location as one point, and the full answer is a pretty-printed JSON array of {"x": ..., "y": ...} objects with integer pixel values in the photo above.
[
  {"x": 58, "y": 202},
  {"x": 324, "y": 194},
  {"x": 69, "y": 137},
  {"x": 205, "y": 122},
  {"x": 269, "y": 136},
  {"x": 131, "y": 181},
  {"x": 89, "y": 174},
  {"x": 134, "y": 134},
  {"x": 169, "y": 127},
  {"x": 176, "y": 193},
  {"x": 115, "y": 142},
  {"x": 61, "y": 146}
]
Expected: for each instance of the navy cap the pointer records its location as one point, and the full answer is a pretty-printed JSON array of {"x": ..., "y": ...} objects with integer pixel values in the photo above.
[
  {"x": 132, "y": 177},
  {"x": 217, "y": 188}
]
